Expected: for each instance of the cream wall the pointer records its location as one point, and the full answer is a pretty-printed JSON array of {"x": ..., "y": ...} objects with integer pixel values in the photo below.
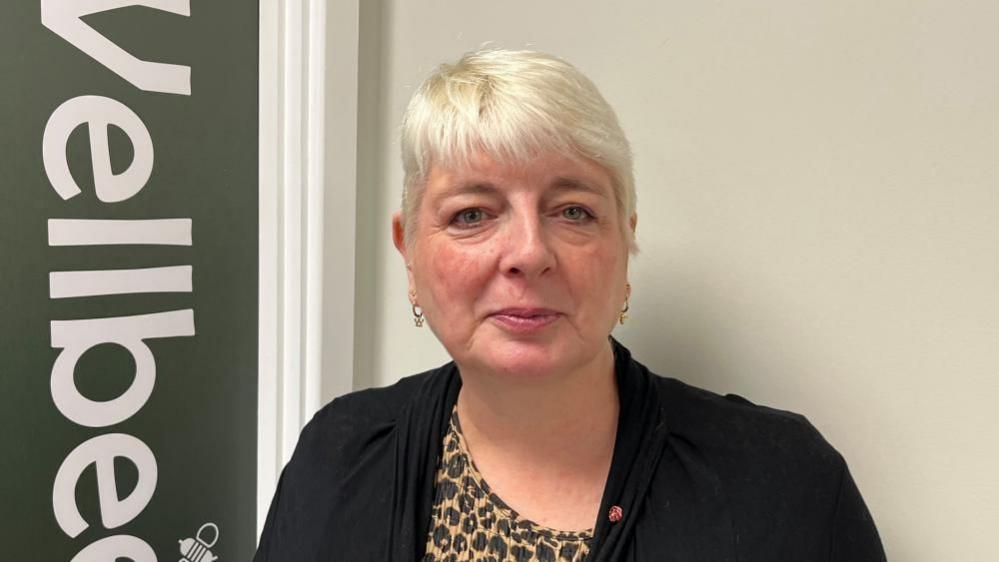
[{"x": 818, "y": 203}]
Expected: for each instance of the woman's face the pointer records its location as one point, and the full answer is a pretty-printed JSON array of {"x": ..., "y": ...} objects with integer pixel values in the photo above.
[{"x": 519, "y": 269}]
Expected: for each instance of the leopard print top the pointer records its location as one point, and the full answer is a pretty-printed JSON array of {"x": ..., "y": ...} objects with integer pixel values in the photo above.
[{"x": 471, "y": 524}]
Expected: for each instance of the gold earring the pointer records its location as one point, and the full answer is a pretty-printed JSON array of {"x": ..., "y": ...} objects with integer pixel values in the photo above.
[
  {"x": 417, "y": 314},
  {"x": 627, "y": 301}
]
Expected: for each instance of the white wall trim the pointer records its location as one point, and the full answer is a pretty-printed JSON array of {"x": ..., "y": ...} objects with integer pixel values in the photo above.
[
  {"x": 268, "y": 373},
  {"x": 293, "y": 219},
  {"x": 296, "y": 372},
  {"x": 314, "y": 83}
]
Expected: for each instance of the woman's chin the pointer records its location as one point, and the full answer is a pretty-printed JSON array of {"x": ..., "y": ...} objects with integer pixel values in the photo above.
[
  {"x": 537, "y": 355},
  {"x": 526, "y": 358}
]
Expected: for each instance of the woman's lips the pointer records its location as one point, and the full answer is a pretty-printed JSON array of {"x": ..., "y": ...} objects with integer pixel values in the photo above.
[{"x": 525, "y": 321}]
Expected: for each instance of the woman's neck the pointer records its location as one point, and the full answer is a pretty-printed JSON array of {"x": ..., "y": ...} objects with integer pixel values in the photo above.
[
  {"x": 551, "y": 437},
  {"x": 564, "y": 408}
]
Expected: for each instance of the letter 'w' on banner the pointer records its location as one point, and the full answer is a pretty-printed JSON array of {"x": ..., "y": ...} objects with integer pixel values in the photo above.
[{"x": 65, "y": 18}]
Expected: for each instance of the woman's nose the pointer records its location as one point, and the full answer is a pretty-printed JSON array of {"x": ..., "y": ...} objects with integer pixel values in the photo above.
[{"x": 527, "y": 250}]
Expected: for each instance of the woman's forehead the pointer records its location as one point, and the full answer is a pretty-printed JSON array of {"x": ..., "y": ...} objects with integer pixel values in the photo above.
[{"x": 483, "y": 172}]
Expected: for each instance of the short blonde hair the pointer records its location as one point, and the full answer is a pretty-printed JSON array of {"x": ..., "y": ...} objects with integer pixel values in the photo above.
[{"x": 513, "y": 105}]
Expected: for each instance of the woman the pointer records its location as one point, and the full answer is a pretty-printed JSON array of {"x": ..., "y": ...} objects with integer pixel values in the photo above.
[{"x": 544, "y": 439}]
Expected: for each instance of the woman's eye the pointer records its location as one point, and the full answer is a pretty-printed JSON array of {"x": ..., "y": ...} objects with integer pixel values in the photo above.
[
  {"x": 576, "y": 213},
  {"x": 468, "y": 217}
]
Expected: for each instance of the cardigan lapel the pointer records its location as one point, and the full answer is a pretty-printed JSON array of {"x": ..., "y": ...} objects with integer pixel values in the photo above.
[
  {"x": 637, "y": 449},
  {"x": 419, "y": 433},
  {"x": 674, "y": 508}
]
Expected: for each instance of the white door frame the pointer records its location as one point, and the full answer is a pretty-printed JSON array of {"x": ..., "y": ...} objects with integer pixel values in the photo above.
[{"x": 307, "y": 190}]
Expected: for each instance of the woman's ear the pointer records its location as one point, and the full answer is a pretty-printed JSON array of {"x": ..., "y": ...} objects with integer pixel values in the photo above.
[
  {"x": 633, "y": 222},
  {"x": 399, "y": 239},
  {"x": 399, "y": 235}
]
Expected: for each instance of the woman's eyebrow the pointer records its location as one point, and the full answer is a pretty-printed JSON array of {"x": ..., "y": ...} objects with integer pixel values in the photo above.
[
  {"x": 558, "y": 185},
  {"x": 561, "y": 184},
  {"x": 468, "y": 188}
]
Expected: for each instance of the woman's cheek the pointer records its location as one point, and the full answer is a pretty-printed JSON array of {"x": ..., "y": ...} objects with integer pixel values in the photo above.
[
  {"x": 597, "y": 273},
  {"x": 457, "y": 272}
]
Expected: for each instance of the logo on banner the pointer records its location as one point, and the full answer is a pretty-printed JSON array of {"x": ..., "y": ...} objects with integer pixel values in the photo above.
[{"x": 197, "y": 549}]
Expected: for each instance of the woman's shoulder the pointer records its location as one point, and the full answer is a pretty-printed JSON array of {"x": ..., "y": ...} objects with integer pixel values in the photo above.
[
  {"x": 343, "y": 468},
  {"x": 355, "y": 424},
  {"x": 385, "y": 402},
  {"x": 772, "y": 470},
  {"x": 372, "y": 409},
  {"x": 736, "y": 431},
  {"x": 726, "y": 424}
]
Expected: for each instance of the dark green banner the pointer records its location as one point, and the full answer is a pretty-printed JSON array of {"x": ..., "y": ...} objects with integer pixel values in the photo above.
[{"x": 128, "y": 270}]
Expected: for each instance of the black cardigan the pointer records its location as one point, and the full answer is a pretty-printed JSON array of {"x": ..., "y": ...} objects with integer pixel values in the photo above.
[{"x": 700, "y": 477}]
